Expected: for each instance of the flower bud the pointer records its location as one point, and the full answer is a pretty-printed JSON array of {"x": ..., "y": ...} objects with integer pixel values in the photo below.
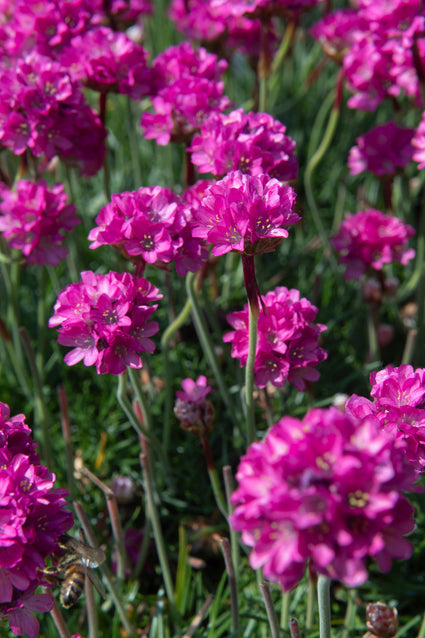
[{"x": 381, "y": 620}]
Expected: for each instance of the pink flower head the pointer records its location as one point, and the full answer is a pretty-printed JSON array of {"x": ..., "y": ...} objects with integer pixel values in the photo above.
[
  {"x": 287, "y": 343},
  {"x": 370, "y": 239},
  {"x": 245, "y": 213},
  {"x": 189, "y": 89},
  {"x": 262, "y": 9},
  {"x": 151, "y": 225},
  {"x": 44, "y": 110},
  {"x": 253, "y": 143},
  {"x": 418, "y": 143},
  {"x": 194, "y": 412},
  {"x": 108, "y": 61},
  {"x": 325, "y": 491},
  {"x": 337, "y": 31},
  {"x": 380, "y": 62},
  {"x": 384, "y": 150},
  {"x": 105, "y": 319},
  {"x": 35, "y": 219},
  {"x": 33, "y": 517},
  {"x": 398, "y": 402},
  {"x": 199, "y": 20}
]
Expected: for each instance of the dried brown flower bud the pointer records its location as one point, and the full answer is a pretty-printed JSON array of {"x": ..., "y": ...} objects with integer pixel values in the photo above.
[{"x": 381, "y": 620}]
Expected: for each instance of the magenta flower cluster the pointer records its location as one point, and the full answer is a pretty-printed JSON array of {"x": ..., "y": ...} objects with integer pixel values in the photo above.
[
  {"x": 151, "y": 225},
  {"x": 33, "y": 517},
  {"x": 245, "y": 213},
  {"x": 192, "y": 408},
  {"x": 287, "y": 343},
  {"x": 370, "y": 239},
  {"x": 199, "y": 20},
  {"x": 34, "y": 219},
  {"x": 189, "y": 87},
  {"x": 105, "y": 319},
  {"x": 398, "y": 402},
  {"x": 50, "y": 26},
  {"x": 44, "y": 110},
  {"x": 418, "y": 143},
  {"x": 108, "y": 61},
  {"x": 253, "y": 143},
  {"x": 384, "y": 150},
  {"x": 263, "y": 9},
  {"x": 376, "y": 49},
  {"x": 325, "y": 491}
]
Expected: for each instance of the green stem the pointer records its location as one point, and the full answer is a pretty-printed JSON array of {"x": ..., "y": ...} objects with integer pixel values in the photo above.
[
  {"x": 134, "y": 143},
  {"x": 421, "y": 633},
  {"x": 262, "y": 98},
  {"x": 207, "y": 346},
  {"x": 311, "y": 597},
  {"x": 42, "y": 415},
  {"x": 106, "y": 573},
  {"x": 41, "y": 319},
  {"x": 324, "y": 603},
  {"x": 288, "y": 36},
  {"x": 156, "y": 525},
  {"x": 218, "y": 494},
  {"x": 249, "y": 378},
  {"x": 311, "y": 166},
  {"x": 181, "y": 318},
  {"x": 234, "y": 541},
  {"x": 372, "y": 324},
  {"x": 11, "y": 280},
  {"x": 271, "y": 612},
  {"x": 284, "y": 614},
  {"x": 128, "y": 410},
  {"x": 349, "y": 613}
]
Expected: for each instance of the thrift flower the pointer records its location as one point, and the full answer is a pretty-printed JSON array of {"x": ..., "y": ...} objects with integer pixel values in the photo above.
[
  {"x": 194, "y": 412},
  {"x": 35, "y": 219},
  {"x": 261, "y": 8},
  {"x": 44, "y": 110},
  {"x": 151, "y": 225},
  {"x": 383, "y": 150},
  {"x": 398, "y": 402},
  {"x": 418, "y": 143},
  {"x": 189, "y": 88},
  {"x": 245, "y": 213},
  {"x": 33, "y": 519},
  {"x": 105, "y": 319},
  {"x": 198, "y": 20},
  {"x": 325, "y": 491},
  {"x": 370, "y": 239},
  {"x": 108, "y": 61},
  {"x": 287, "y": 342},
  {"x": 253, "y": 143},
  {"x": 336, "y": 32}
]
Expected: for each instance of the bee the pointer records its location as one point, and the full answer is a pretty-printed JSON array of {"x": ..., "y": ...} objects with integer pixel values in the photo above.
[{"x": 72, "y": 566}]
